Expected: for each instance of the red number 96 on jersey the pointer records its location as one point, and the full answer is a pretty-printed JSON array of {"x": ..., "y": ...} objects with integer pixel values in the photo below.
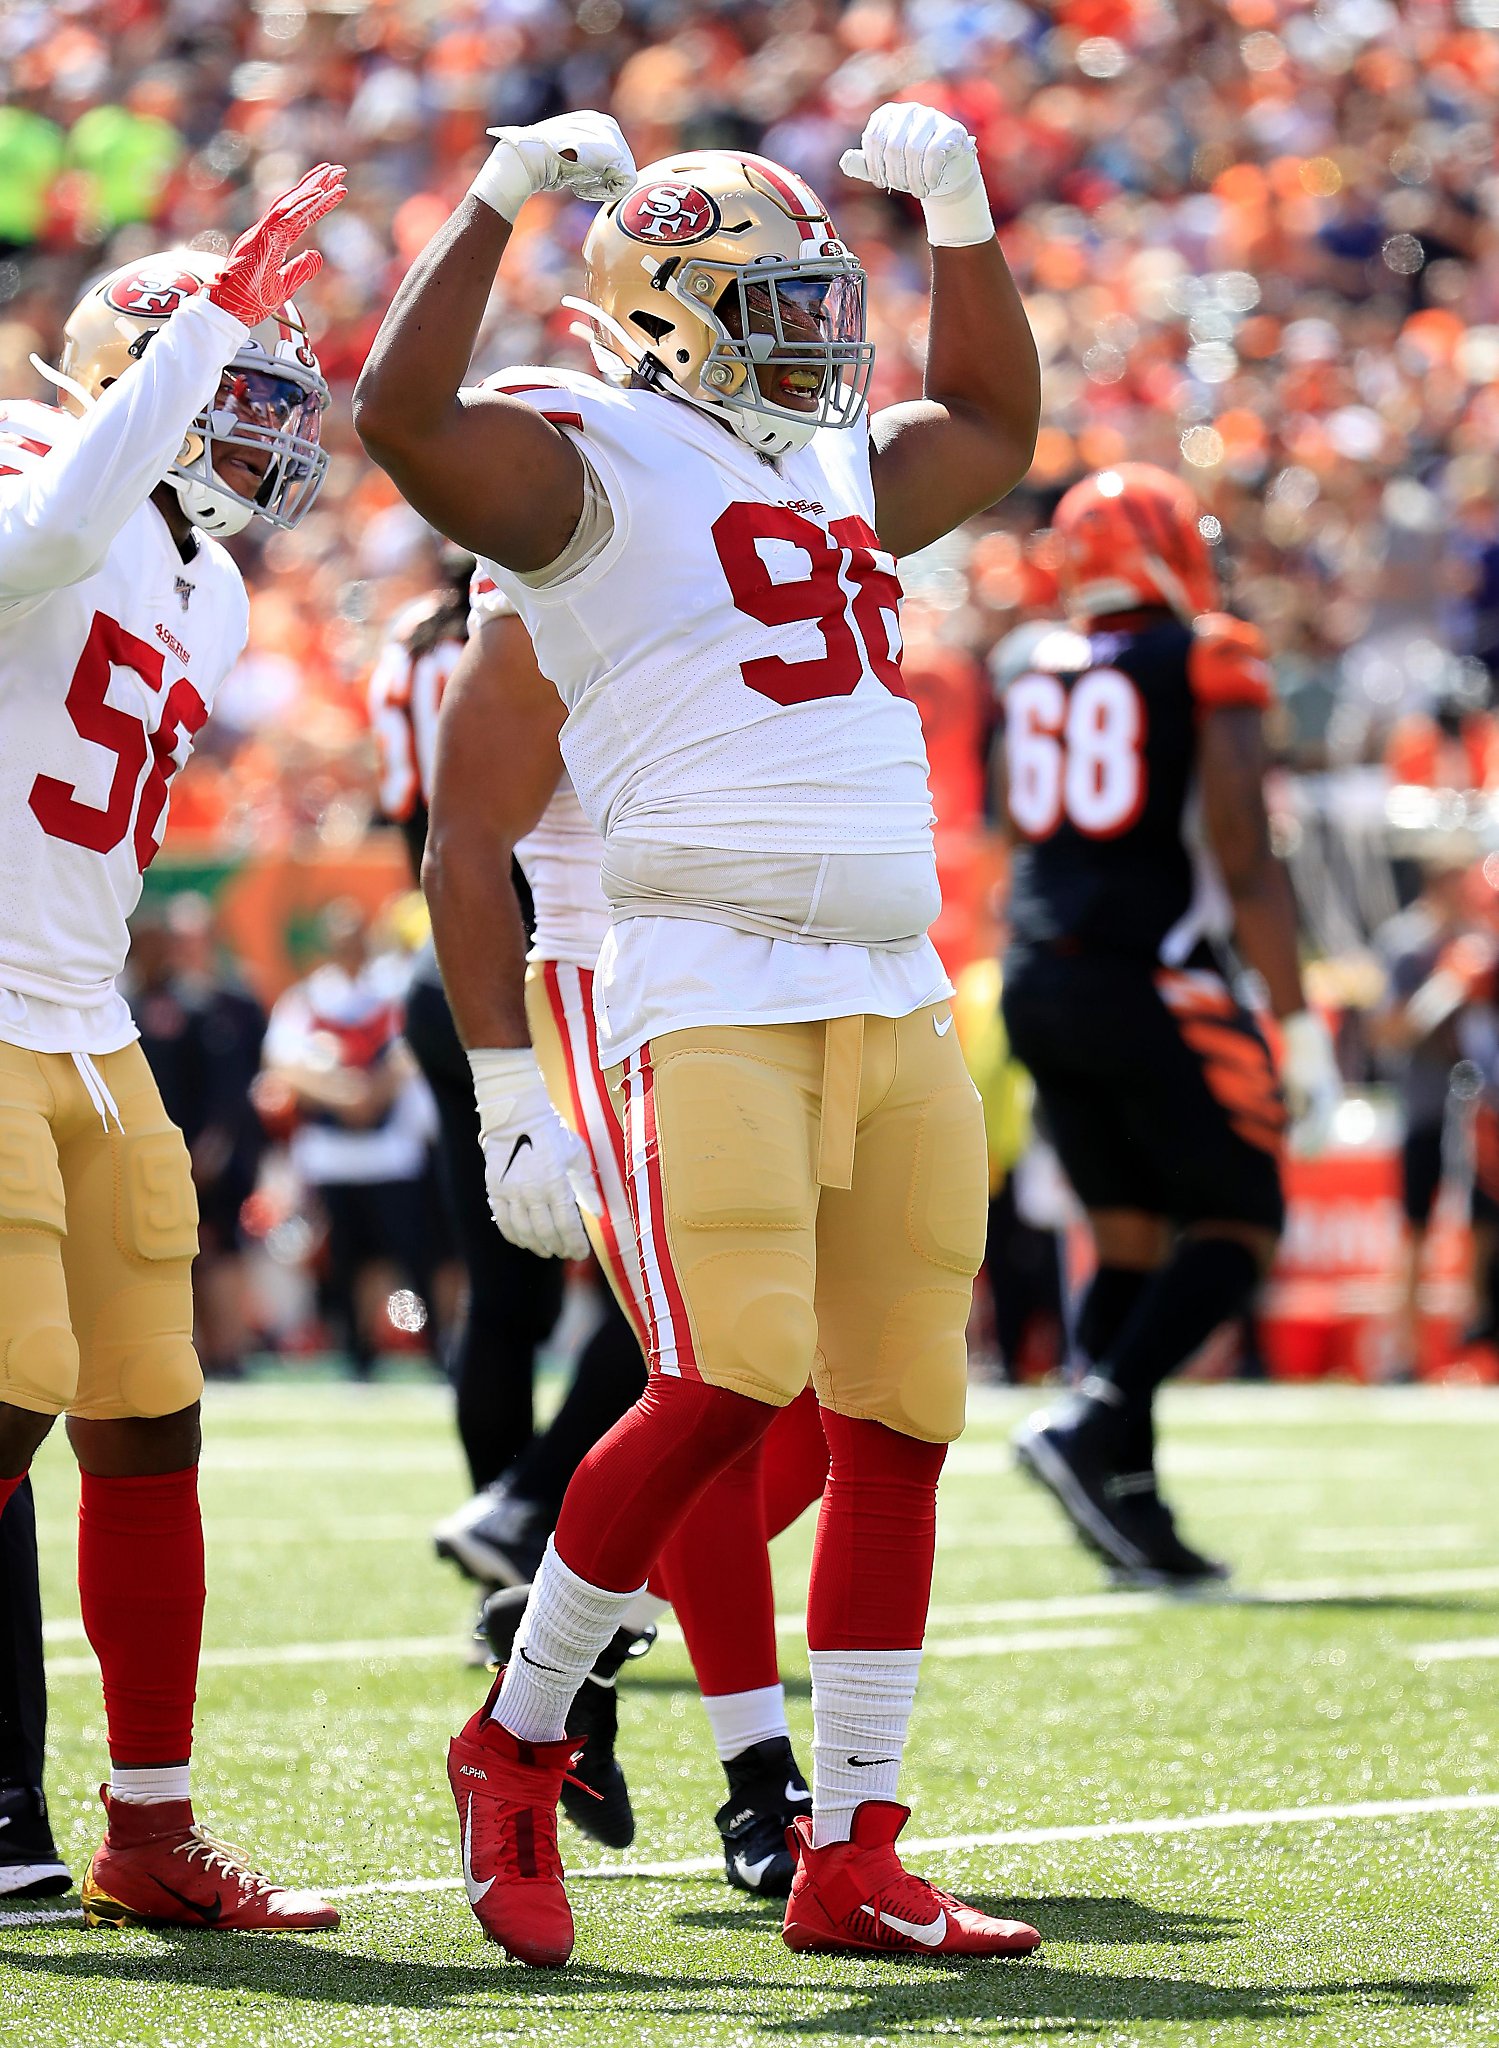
[{"x": 852, "y": 621}]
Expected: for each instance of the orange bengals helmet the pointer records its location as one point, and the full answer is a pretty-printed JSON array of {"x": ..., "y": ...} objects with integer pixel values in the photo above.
[{"x": 1130, "y": 538}]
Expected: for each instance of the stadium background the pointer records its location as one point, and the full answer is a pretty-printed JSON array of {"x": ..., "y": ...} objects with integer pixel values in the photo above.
[{"x": 1257, "y": 243}]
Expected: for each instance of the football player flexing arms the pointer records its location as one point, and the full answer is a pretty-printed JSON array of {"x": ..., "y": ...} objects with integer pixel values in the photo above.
[
  {"x": 1134, "y": 766},
  {"x": 194, "y": 403},
  {"x": 500, "y": 791},
  {"x": 701, "y": 546},
  {"x": 491, "y": 765}
]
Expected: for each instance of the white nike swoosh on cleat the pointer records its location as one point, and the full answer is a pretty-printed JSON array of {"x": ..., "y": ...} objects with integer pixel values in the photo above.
[
  {"x": 942, "y": 1025},
  {"x": 751, "y": 1873},
  {"x": 928, "y": 1935},
  {"x": 471, "y": 1884},
  {"x": 797, "y": 1795}
]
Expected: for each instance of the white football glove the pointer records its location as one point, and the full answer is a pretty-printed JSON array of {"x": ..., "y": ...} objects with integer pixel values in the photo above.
[
  {"x": 1310, "y": 1078},
  {"x": 536, "y": 1171},
  {"x": 910, "y": 148},
  {"x": 584, "y": 154}
]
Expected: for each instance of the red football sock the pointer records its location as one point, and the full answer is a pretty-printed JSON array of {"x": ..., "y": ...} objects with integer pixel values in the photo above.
[
  {"x": 7, "y": 1488},
  {"x": 639, "y": 1480},
  {"x": 876, "y": 1535},
  {"x": 716, "y": 1571},
  {"x": 140, "y": 1581},
  {"x": 794, "y": 1462},
  {"x": 793, "y": 1472}
]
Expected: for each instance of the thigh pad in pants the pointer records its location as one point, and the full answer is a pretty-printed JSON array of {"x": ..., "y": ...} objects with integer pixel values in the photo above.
[
  {"x": 720, "y": 1140},
  {"x": 132, "y": 1237},
  {"x": 897, "y": 1251},
  {"x": 38, "y": 1354}
]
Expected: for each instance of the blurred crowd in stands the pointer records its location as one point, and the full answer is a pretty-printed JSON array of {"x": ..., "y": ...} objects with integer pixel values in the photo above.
[{"x": 1259, "y": 242}]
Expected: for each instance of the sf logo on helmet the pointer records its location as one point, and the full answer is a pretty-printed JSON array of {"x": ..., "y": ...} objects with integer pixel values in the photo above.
[
  {"x": 668, "y": 213},
  {"x": 151, "y": 292}
]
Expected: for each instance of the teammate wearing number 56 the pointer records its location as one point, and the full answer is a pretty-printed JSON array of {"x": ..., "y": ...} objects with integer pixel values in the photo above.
[
  {"x": 192, "y": 403},
  {"x": 701, "y": 543},
  {"x": 1133, "y": 768}
]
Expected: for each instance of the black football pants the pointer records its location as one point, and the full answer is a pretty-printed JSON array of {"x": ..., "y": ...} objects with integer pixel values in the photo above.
[{"x": 23, "y": 1686}]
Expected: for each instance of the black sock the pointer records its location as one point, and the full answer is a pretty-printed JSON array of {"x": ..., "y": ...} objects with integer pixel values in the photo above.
[
  {"x": 1204, "y": 1282},
  {"x": 609, "y": 1379},
  {"x": 1107, "y": 1307}
]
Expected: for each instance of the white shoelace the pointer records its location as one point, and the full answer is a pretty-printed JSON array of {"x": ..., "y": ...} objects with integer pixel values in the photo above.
[{"x": 98, "y": 1091}]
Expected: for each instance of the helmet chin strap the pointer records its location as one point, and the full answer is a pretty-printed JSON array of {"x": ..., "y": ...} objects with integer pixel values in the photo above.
[
  {"x": 217, "y": 513},
  {"x": 74, "y": 390},
  {"x": 766, "y": 437}
]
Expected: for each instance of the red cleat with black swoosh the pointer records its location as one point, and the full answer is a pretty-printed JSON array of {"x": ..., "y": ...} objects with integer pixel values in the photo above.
[
  {"x": 506, "y": 1792},
  {"x": 856, "y": 1896},
  {"x": 157, "y": 1868}
]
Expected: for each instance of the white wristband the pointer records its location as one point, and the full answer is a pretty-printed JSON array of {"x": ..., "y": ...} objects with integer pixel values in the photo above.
[
  {"x": 502, "y": 181},
  {"x": 502, "y": 1075},
  {"x": 960, "y": 219}
]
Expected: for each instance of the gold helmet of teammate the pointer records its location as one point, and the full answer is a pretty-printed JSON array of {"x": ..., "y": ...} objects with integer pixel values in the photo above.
[
  {"x": 256, "y": 449},
  {"x": 720, "y": 274}
]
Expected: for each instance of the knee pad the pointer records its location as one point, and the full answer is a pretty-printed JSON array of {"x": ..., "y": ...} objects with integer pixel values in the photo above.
[
  {"x": 38, "y": 1352},
  {"x": 138, "y": 1359},
  {"x": 755, "y": 1326},
  {"x": 918, "y": 1381},
  {"x": 156, "y": 1212}
]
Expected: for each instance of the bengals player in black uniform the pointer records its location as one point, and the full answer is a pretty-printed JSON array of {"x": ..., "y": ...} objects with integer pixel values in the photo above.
[{"x": 1133, "y": 766}]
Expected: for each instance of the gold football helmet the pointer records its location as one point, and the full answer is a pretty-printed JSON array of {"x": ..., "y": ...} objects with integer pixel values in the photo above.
[
  {"x": 720, "y": 275},
  {"x": 267, "y": 412}
]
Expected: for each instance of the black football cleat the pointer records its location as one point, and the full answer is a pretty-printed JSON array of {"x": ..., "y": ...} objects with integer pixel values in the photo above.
[
  {"x": 1171, "y": 1565},
  {"x": 595, "y": 1796},
  {"x": 30, "y": 1867},
  {"x": 1063, "y": 1453},
  {"x": 766, "y": 1794},
  {"x": 496, "y": 1537}
]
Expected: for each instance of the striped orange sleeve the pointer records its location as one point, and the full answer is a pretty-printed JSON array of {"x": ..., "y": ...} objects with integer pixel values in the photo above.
[{"x": 1228, "y": 664}]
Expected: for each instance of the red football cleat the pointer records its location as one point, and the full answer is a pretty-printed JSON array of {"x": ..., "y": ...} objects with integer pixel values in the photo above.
[
  {"x": 157, "y": 1868},
  {"x": 507, "y": 1792},
  {"x": 856, "y": 1895}
]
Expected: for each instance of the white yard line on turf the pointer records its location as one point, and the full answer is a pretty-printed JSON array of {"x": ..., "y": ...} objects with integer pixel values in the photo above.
[
  {"x": 380, "y": 1650},
  {"x": 1022, "y": 1838},
  {"x": 316, "y": 1457},
  {"x": 1387, "y": 1542},
  {"x": 1063, "y": 1607},
  {"x": 1458, "y": 1650},
  {"x": 935, "y": 1845},
  {"x": 1022, "y": 1641}
]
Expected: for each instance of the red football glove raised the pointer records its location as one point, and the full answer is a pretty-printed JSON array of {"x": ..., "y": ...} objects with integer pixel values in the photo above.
[{"x": 258, "y": 279}]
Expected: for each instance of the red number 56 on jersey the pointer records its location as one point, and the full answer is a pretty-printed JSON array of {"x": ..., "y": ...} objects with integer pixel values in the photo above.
[{"x": 57, "y": 806}]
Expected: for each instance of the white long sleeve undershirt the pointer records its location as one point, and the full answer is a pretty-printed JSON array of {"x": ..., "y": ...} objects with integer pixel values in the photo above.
[{"x": 58, "y": 516}]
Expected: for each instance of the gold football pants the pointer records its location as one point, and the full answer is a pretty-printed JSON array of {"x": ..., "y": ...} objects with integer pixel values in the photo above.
[
  {"x": 98, "y": 1230},
  {"x": 810, "y": 1200}
]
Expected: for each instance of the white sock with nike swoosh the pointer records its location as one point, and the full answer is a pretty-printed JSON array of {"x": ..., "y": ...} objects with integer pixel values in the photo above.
[
  {"x": 566, "y": 1623},
  {"x": 861, "y": 1708}
]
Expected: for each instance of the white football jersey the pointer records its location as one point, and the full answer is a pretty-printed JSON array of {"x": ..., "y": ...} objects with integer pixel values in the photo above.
[
  {"x": 560, "y": 857},
  {"x": 730, "y": 661},
  {"x": 111, "y": 651},
  {"x": 405, "y": 694}
]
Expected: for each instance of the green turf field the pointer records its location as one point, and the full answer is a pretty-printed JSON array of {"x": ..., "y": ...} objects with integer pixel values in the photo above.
[{"x": 1268, "y": 1822}]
